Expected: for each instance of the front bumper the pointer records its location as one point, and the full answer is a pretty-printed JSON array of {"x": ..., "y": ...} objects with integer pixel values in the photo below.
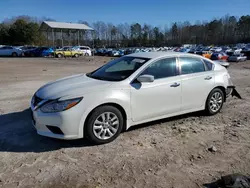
[{"x": 61, "y": 125}]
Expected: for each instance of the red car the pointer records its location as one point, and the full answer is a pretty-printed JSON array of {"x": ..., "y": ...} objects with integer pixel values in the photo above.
[{"x": 219, "y": 56}]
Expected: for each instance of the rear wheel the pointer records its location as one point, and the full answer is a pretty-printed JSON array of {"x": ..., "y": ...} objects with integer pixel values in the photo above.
[
  {"x": 215, "y": 101},
  {"x": 76, "y": 55},
  {"x": 104, "y": 125},
  {"x": 229, "y": 92},
  {"x": 14, "y": 54}
]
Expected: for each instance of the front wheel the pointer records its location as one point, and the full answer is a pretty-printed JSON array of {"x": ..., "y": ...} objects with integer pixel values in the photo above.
[
  {"x": 14, "y": 54},
  {"x": 215, "y": 101},
  {"x": 104, "y": 124},
  {"x": 59, "y": 55}
]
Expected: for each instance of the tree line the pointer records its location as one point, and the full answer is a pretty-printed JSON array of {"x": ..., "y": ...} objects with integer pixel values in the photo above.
[{"x": 24, "y": 30}]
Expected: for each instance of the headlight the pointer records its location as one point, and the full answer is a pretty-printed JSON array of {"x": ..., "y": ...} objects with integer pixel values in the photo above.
[{"x": 58, "y": 106}]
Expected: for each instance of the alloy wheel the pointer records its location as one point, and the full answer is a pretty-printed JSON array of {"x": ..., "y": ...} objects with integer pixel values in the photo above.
[
  {"x": 106, "y": 125},
  {"x": 215, "y": 102}
]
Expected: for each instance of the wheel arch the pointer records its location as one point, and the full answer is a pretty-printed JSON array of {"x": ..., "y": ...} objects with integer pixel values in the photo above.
[
  {"x": 116, "y": 105},
  {"x": 223, "y": 89}
]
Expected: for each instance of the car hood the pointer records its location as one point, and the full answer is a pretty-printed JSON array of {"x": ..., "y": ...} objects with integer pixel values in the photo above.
[{"x": 76, "y": 85}]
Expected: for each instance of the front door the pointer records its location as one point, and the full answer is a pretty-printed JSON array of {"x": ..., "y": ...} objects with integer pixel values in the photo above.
[
  {"x": 158, "y": 98},
  {"x": 67, "y": 52}
]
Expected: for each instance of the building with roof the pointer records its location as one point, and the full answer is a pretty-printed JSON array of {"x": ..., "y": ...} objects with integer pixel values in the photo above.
[{"x": 55, "y": 29}]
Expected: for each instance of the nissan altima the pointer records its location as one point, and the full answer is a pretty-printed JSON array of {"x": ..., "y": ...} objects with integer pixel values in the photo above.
[{"x": 127, "y": 91}]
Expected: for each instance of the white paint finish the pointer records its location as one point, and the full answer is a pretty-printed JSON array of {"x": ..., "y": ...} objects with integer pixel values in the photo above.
[
  {"x": 154, "y": 99},
  {"x": 195, "y": 89},
  {"x": 70, "y": 86},
  {"x": 149, "y": 102}
]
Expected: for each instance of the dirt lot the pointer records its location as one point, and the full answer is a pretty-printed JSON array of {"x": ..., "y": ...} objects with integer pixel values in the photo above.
[{"x": 167, "y": 153}]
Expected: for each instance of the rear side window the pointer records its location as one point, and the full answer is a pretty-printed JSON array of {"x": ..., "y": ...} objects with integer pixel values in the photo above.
[
  {"x": 7, "y": 48},
  {"x": 191, "y": 65},
  {"x": 208, "y": 65}
]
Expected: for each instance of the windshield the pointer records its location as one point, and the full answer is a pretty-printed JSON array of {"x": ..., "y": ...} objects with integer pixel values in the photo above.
[{"x": 118, "y": 69}]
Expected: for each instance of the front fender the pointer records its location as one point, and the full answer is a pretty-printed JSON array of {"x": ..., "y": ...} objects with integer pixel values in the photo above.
[{"x": 93, "y": 100}]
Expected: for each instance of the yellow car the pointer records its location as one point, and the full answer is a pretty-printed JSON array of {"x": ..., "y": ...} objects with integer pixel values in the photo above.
[{"x": 67, "y": 52}]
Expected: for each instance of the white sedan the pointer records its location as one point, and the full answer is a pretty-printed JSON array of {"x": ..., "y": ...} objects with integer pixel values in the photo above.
[{"x": 127, "y": 91}]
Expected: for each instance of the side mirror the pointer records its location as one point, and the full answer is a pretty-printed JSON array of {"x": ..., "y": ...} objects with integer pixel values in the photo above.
[{"x": 146, "y": 78}]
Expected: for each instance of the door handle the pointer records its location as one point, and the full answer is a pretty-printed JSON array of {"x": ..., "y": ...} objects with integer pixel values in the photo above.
[
  {"x": 208, "y": 78},
  {"x": 175, "y": 85}
]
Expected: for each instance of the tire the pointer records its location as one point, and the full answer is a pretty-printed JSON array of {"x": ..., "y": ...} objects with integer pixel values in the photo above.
[
  {"x": 14, "y": 54},
  {"x": 215, "y": 101},
  {"x": 95, "y": 125},
  {"x": 229, "y": 92},
  {"x": 76, "y": 55},
  {"x": 59, "y": 55}
]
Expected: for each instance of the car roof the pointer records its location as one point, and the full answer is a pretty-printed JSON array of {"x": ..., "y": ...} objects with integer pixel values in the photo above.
[{"x": 153, "y": 55}]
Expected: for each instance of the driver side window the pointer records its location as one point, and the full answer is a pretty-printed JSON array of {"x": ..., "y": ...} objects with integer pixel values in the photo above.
[{"x": 162, "y": 68}]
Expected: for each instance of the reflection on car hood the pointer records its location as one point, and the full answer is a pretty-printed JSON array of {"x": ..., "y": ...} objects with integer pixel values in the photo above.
[{"x": 71, "y": 86}]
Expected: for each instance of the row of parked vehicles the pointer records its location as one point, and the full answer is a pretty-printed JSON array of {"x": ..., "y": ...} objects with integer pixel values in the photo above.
[
  {"x": 224, "y": 56},
  {"x": 33, "y": 51},
  {"x": 235, "y": 54}
]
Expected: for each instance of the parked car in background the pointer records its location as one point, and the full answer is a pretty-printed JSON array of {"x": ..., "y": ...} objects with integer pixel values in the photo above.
[
  {"x": 100, "y": 104},
  {"x": 237, "y": 58},
  {"x": 25, "y": 48},
  {"x": 36, "y": 52},
  {"x": 207, "y": 54},
  {"x": 62, "y": 48},
  {"x": 216, "y": 49},
  {"x": 10, "y": 51},
  {"x": 85, "y": 50},
  {"x": 48, "y": 52},
  {"x": 67, "y": 52},
  {"x": 237, "y": 50},
  {"x": 219, "y": 56}
]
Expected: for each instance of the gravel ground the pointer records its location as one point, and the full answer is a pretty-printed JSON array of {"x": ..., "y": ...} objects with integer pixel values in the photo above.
[{"x": 168, "y": 153}]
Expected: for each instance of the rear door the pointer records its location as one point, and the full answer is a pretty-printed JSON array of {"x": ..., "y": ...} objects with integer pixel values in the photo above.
[{"x": 197, "y": 81}]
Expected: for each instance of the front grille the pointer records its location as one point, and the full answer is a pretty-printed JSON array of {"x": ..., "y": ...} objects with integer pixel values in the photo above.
[{"x": 36, "y": 100}]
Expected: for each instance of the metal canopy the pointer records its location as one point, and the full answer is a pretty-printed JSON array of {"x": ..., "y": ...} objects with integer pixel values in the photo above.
[
  {"x": 58, "y": 26},
  {"x": 54, "y": 28}
]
